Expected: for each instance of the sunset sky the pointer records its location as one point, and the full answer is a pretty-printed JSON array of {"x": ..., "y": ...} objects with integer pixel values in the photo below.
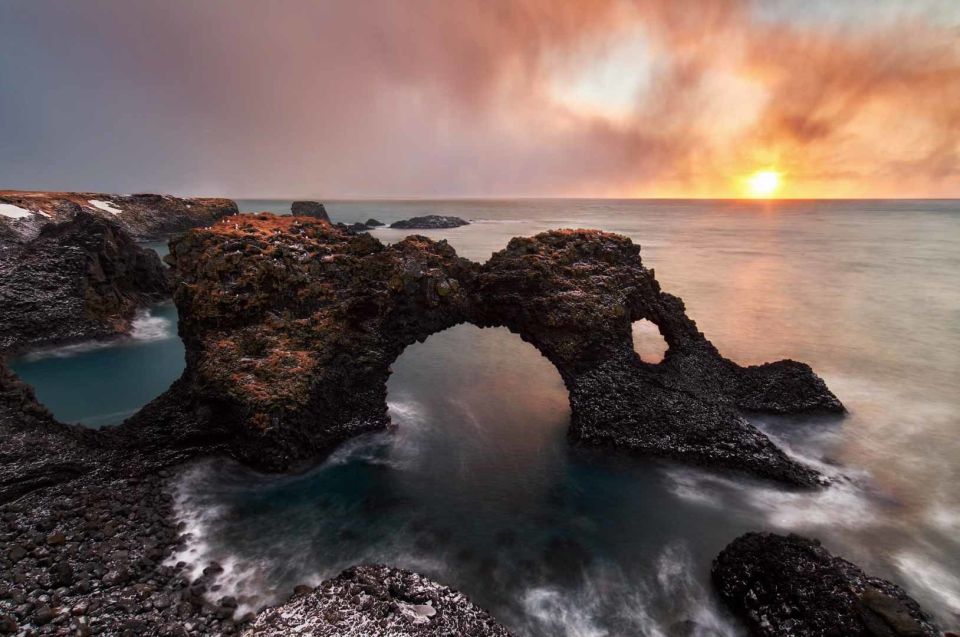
[{"x": 485, "y": 98}]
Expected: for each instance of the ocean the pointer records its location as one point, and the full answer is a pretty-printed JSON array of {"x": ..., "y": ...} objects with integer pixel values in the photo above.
[{"x": 479, "y": 489}]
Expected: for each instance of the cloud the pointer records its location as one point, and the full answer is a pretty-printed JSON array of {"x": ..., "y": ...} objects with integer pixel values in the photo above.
[{"x": 478, "y": 97}]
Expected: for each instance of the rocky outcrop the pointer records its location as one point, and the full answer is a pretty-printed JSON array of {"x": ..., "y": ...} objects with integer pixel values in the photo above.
[
  {"x": 143, "y": 216},
  {"x": 429, "y": 222},
  {"x": 313, "y": 209},
  {"x": 377, "y": 600},
  {"x": 77, "y": 280},
  {"x": 291, "y": 325},
  {"x": 373, "y": 223},
  {"x": 790, "y": 585}
]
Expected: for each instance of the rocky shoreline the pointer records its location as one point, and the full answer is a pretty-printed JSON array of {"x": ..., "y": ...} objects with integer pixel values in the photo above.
[{"x": 290, "y": 325}]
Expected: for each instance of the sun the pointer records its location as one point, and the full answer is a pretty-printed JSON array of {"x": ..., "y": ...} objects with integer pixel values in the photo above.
[{"x": 763, "y": 183}]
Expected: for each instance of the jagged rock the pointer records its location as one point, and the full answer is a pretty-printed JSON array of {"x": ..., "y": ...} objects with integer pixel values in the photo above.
[
  {"x": 313, "y": 209},
  {"x": 791, "y": 585},
  {"x": 429, "y": 222},
  {"x": 77, "y": 280},
  {"x": 373, "y": 223},
  {"x": 291, "y": 324},
  {"x": 377, "y": 601},
  {"x": 143, "y": 216}
]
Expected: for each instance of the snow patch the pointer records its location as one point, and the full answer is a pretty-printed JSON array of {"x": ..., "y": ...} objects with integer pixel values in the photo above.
[
  {"x": 14, "y": 212},
  {"x": 106, "y": 206}
]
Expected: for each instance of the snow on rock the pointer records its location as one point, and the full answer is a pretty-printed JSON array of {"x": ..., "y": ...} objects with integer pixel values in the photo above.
[
  {"x": 105, "y": 206},
  {"x": 14, "y": 212}
]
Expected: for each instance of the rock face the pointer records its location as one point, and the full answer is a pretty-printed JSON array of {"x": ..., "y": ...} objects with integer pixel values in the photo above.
[
  {"x": 313, "y": 209},
  {"x": 793, "y": 586},
  {"x": 77, "y": 280},
  {"x": 377, "y": 600},
  {"x": 143, "y": 216},
  {"x": 291, "y": 324},
  {"x": 429, "y": 222}
]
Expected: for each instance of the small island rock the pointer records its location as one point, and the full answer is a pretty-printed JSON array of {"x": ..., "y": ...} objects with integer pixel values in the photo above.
[
  {"x": 309, "y": 209},
  {"x": 429, "y": 222}
]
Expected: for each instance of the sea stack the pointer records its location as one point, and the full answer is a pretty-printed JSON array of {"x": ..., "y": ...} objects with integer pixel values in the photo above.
[{"x": 313, "y": 209}]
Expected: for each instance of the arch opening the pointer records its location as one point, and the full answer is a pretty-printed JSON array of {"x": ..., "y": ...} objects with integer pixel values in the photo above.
[
  {"x": 648, "y": 341},
  {"x": 478, "y": 409}
]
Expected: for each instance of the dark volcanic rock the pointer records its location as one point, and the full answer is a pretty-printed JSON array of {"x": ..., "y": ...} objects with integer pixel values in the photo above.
[
  {"x": 77, "y": 280},
  {"x": 373, "y": 223},
  {"x": 309, "y": 209},
  {"x": 291, "y": 325},
  {"x": 375, "y": 601},
  {"x": 143, "y": 216},
  {"x": 429, "y": 222},
  {"x": 793, "y": 586}
]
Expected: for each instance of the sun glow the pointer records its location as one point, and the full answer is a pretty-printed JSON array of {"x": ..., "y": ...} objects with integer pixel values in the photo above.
[{"x": 763, "y": 183}]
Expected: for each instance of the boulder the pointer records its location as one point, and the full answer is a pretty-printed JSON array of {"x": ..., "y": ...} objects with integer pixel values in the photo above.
[
  {"x": 429, "y": 222},
  {"x": 791, "y": 585},
  {"x": 377, "y": 600}
]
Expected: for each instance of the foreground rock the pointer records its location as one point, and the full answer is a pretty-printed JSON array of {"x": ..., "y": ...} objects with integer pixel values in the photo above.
[
  {"x": 377, "y": 600},
  {"x": 143, "y": 216},
  {"x": 291, "y": 325},
  {"x": 429, "y": 222},
  {"x": 313, "y": 209},
  {"x": 81, "y": 279},
  {"x": 793, "y": 586}
]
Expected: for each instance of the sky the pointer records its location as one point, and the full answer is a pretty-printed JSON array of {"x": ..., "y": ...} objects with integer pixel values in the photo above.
[{"x": 481, "y": 98}]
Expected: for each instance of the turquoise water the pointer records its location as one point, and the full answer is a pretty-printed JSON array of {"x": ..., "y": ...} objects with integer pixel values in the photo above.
[
  {"x": 479, "y": 489},
  {"x": 103, "y": 383}
]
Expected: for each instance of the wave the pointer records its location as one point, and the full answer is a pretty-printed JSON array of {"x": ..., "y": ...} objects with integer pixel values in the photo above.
[
  {"x": 933, "y": 580},
  {"x": 144, "y": 328}
]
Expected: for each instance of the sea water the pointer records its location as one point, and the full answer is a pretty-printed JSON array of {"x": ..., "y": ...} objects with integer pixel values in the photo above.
[{"x": 479, "y": 489}]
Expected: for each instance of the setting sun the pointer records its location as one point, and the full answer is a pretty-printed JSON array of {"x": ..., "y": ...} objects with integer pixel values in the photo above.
[{"x": 763, "y": 183}]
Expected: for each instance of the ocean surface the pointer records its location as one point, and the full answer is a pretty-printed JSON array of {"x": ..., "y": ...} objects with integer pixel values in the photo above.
[{"x": 478, "y": 488}]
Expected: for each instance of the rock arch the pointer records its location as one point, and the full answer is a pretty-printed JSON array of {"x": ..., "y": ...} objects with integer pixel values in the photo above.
[{"x": 290, "y": 325}]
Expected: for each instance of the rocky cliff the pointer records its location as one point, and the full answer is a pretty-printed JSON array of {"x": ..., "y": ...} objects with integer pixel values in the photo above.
[
  {"x": 143, "y": 216},
  {"x": 77, "y": 280},
  {"x": 291, "y": 325}
]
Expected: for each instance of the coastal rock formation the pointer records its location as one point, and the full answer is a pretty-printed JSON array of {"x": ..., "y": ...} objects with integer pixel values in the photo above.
[
  {"x": 793, "y": 586},
  {"x": 373, "y": 223},
  {"x": 143, "y": 216},
  {"x": 429, "y": 222},
  {"x": 313, "y": 209},
  {"x": 77, "y": 280},
  {"x": 377, "y": 600},
  {"x": 291, "y": 325}
]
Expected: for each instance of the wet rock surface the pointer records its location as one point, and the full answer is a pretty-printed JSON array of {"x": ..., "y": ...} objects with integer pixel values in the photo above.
[
  {"x": 791, "y": 585},
  {"x": 377, "y": 600},
  {"x": 429, "y": 222},
  {"x": 77, "y": 280},
  {"x": 143, "y": 216},
  {"x": 291, "y": 324},
  {"x": 313, "y": 209}
]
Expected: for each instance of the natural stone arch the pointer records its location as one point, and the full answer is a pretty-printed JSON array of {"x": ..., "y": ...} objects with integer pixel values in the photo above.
[
  {"x": 648, "y": 342},
  {"x": 291, "y": 324}
]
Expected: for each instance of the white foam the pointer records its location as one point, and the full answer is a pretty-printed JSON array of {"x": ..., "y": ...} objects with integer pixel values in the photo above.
[
  {"x": 147, "y": 327},
  {"x": 14, "y": 212},
  {"x": 938, "y": 583},
  {"x": 106, "y": 206}
]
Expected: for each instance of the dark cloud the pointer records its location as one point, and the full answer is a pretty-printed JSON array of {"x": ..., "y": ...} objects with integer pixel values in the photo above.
[{"x": 441, "y": 97}]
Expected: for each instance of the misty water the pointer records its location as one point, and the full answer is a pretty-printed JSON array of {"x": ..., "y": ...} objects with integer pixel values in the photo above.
[{"x": 478, "y": 488}]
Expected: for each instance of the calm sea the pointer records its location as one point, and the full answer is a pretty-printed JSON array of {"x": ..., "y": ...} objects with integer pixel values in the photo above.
[{"x": 478, "y": 488}]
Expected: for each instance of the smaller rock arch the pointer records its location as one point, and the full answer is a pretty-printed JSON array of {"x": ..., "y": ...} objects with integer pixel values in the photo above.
[{"x": 291, "y": 324}]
